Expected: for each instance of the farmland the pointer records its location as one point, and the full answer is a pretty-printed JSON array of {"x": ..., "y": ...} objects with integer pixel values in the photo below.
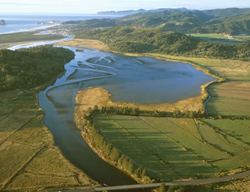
[
  {"x": 29, "y": 160},
  {"x": 221, "y": 38},
  {"x": 172, "y": 148}
]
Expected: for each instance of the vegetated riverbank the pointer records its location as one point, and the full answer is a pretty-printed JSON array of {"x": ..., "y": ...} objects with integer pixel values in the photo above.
[
  {"x": 91, "y": 98},
  {"x": 28, "y": 157}
]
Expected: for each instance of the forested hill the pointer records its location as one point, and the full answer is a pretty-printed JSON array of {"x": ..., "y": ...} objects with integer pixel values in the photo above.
[
  {"x": 140, "y": 40},
  {"x": 27, "y": 68},
  {"x": 232, "y": 21}
]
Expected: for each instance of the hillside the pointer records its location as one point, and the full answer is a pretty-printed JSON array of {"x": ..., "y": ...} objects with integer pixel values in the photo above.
[
  {"x": 232, "y": 21},
  {"x": 139, "y": 40},
  {"x": 27, "y": 68}
]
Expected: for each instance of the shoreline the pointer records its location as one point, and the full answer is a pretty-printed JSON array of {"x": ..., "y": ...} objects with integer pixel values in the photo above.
[{"x": 182, "y": 105}]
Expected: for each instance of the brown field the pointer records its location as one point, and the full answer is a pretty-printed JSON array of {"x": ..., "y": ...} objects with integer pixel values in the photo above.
[
  {"x": 81, "y": 43},
  {"x": 101, "y": 97}
]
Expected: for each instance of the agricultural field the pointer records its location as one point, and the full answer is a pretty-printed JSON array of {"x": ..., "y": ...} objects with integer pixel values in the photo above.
[
  {"x": 172, "y": 148},
  {"x": 28, "y": 158},
  {"x": 220, "y": 38},
  {"x": 230, "y": 98}
]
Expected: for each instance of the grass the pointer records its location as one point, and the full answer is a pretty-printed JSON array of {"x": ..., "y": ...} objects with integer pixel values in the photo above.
[
  {"x": 236, "y": 133},
  {"x": 219, "y": 38},
  {"x": 232, "y": 98},
  {"x": 12, "y": 157},
  {"x": 80, "y": 43},
  {"x": 210, "y": 135},
  {"x": 160, "y": 145},
  {"x": 28, "y": 159},
  {"x": 172, "y": 148},
  {"x": 48, "y": 162},
  {"x": 232, "y": 128},
  {"x": 30, "y": 182}
]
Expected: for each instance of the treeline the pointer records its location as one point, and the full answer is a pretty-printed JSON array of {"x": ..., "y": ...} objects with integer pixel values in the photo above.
[
  {"x": 141, "y": 40},
  {"x": 27, "y": 68},
  {"x": 136, "y": 111},
  {"x": 27, "y": 36},
  {"x": 110, "y": 151}
]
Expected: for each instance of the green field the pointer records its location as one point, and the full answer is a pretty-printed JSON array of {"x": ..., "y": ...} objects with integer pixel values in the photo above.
[
  {"x": 220, "y": 38},
  {"x": 172, "y": 148}
]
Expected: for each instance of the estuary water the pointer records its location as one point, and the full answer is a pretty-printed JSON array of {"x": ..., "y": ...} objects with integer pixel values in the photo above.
[{"x": 130, "y": 79}]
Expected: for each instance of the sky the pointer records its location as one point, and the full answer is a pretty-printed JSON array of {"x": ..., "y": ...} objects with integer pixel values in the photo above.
[{"x": 93, "y": 6}]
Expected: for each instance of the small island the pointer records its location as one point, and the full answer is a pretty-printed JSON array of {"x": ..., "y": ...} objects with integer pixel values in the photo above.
[{"x": 2, "y": 22}]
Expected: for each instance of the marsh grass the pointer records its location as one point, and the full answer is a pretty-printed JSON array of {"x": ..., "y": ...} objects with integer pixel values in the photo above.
[{"x": 28, "y": 159}]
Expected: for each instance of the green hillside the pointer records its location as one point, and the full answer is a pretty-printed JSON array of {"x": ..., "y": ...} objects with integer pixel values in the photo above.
[
  {"x": 139, "y": 40},
  {"x": 27, "y": 68},
  {"x": 232, "y": 21}
]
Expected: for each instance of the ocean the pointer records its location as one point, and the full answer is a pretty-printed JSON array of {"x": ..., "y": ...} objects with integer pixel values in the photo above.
[{"x": 18, "y": 23}]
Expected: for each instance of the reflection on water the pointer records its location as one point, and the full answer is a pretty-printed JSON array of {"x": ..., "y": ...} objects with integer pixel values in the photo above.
[{"x": 130, "y": 79}]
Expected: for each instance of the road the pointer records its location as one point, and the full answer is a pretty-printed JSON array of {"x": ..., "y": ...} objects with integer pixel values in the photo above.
[{"x": 184, "y": 183}]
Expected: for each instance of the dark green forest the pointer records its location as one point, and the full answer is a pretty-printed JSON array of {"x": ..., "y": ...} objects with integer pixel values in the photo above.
[
  {"x": 141, "y": 40},
  {"x": 27, "y": 68}
]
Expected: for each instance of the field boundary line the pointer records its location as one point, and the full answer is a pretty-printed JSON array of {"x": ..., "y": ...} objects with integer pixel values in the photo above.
[
  {"x": 223, "y": 134},
  {"x": 212, "y": 145},
  {"x": 16, "y": 131},
  {"x": 145, "y": 146},
  {"x": 183, "y": 147},
  {"x": 205, "y": 143},
  {"x": 22, "y": 167}
]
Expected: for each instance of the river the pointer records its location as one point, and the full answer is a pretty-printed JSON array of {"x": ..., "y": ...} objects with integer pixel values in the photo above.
[{"x": 129, "y": 79}]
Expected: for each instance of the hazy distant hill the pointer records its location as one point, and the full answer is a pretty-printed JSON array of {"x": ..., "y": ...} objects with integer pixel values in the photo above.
[
  {"x": 232, "y": 21},
  {"x": 128, "y": 12}
]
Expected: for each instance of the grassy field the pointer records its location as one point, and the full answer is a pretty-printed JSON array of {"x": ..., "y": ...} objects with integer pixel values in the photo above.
[
  {"x": 220, "y": 38},
  {"x": 29, "y": 161},
  {"x": 172, "y": 148},
  {"x": 228, "y": 98},
  {"x": 231, "y": 98}
]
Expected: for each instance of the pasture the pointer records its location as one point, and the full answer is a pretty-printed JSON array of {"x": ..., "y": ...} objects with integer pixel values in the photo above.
[
  {"x": 219, "y": 38},
  {"x": 171, "y": 148}
]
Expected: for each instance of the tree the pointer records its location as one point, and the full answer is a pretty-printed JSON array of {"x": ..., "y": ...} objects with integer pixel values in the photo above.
[
  {"x": 162, "y": 188},
  {"x": 114, "y": 154}
]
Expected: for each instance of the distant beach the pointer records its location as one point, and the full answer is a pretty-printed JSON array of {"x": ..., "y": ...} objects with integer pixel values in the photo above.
[{"x": 20, "y": 23}]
